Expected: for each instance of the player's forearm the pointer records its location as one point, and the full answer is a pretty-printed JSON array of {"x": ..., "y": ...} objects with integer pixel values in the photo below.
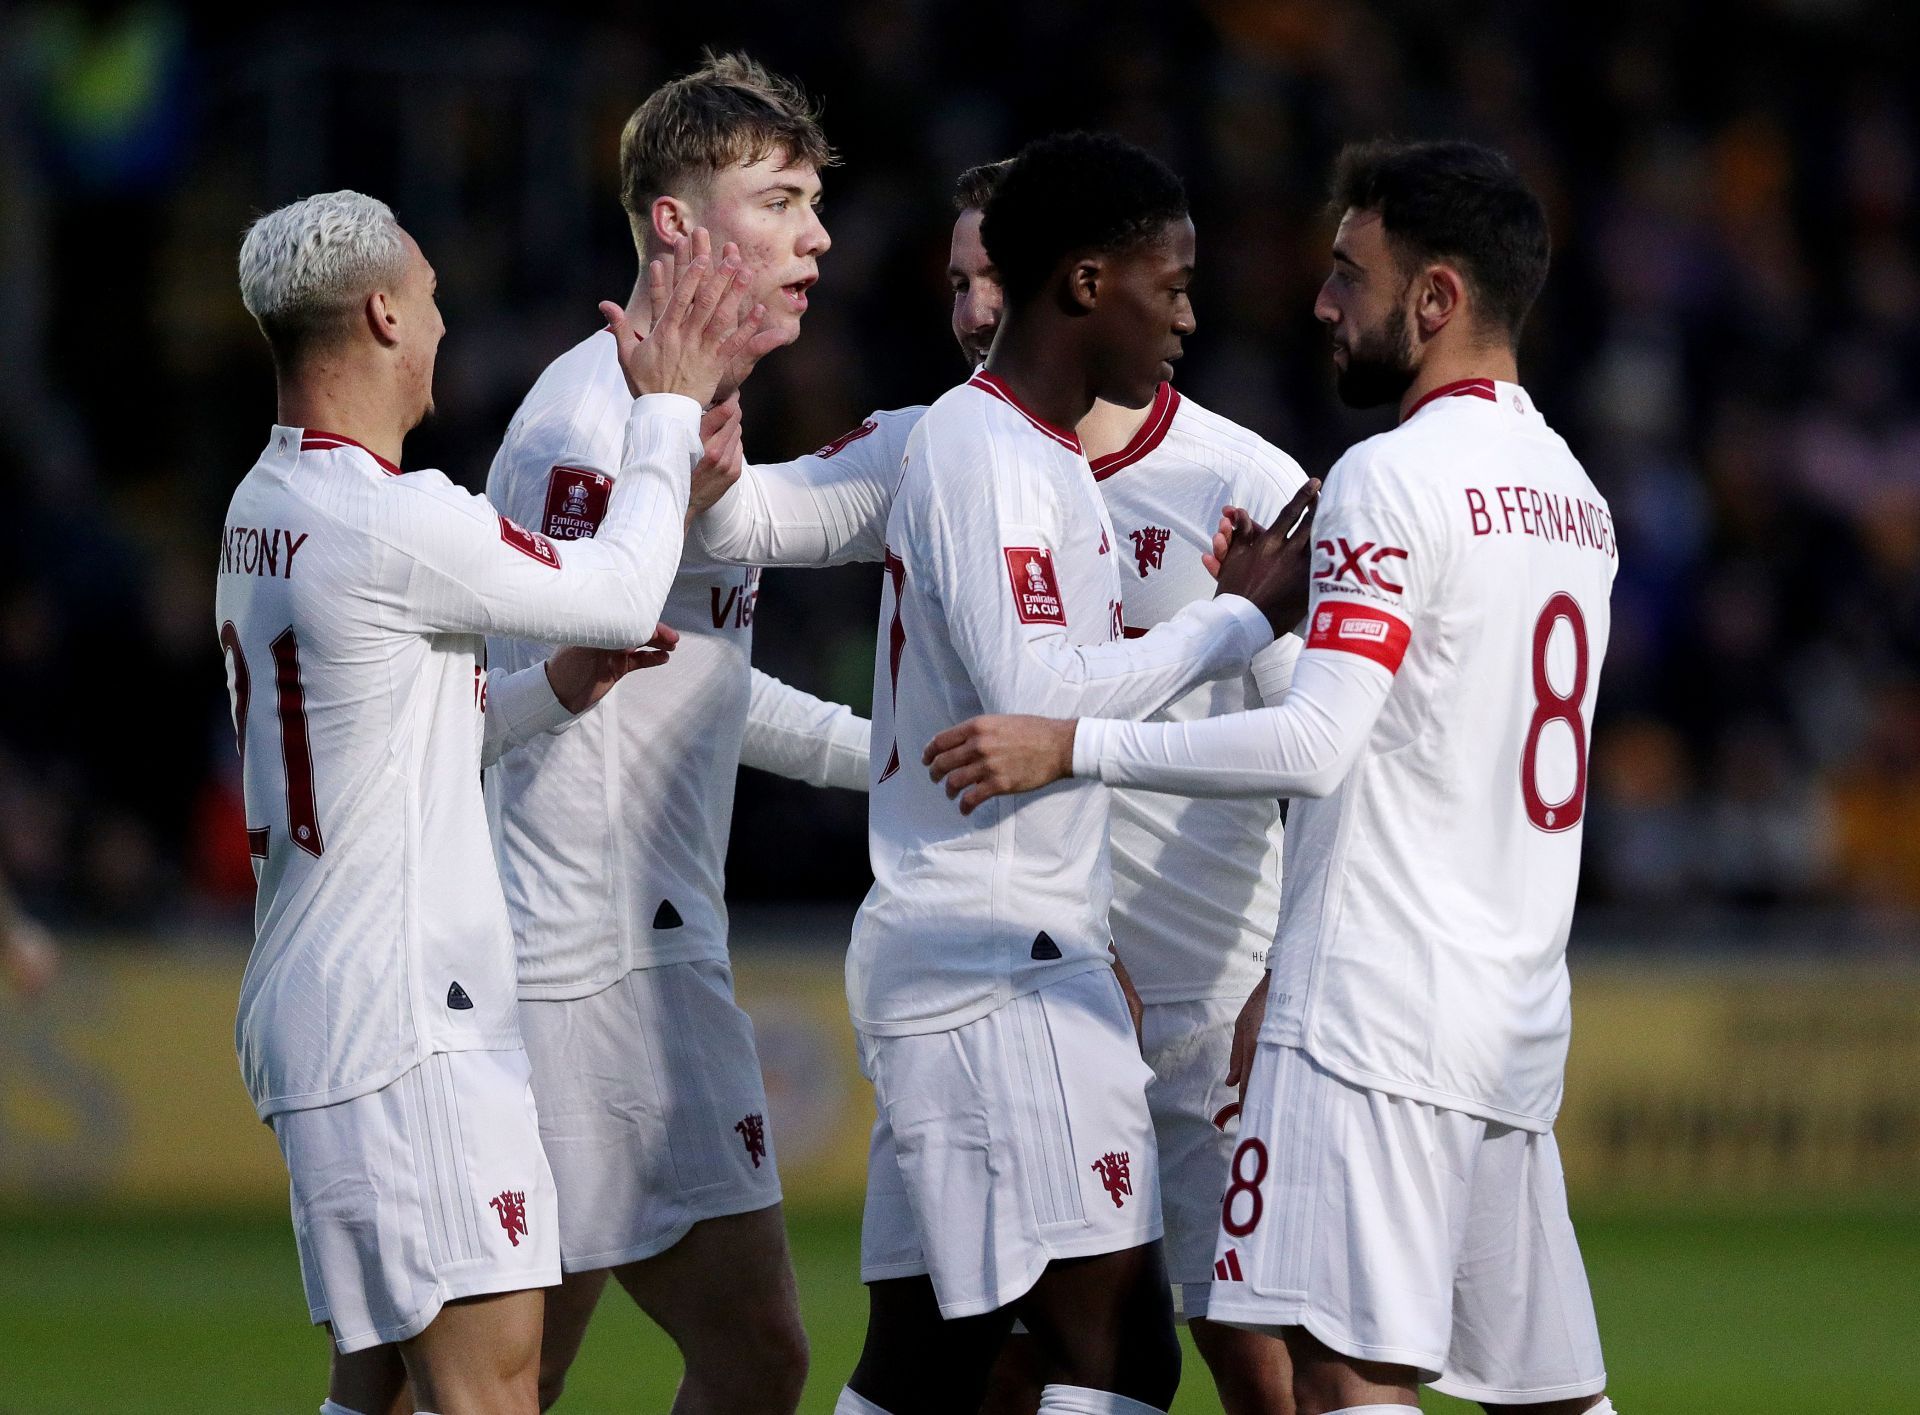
[
  {"x": 610, "y": 589},
  {"x": 521, "y": 705},
  {"x": 806, "y": 512},
  {"x": 1135, "y": 678},
  {"x": 1303, "y": 747},
  {"x": 1273, "y": 667},
  {"x": 794, "y": 734}
]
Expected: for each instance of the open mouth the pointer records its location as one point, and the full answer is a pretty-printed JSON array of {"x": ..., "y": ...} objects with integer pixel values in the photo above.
[{"x": 795, "y": 293}]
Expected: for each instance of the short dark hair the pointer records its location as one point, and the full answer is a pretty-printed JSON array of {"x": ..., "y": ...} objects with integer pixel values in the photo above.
[
  {"x": 731, "y": 111},
  {"x": 977, "y": 185},
  {"x": 1454, "y": 201},
  {"x": 1070, "y": 193}
]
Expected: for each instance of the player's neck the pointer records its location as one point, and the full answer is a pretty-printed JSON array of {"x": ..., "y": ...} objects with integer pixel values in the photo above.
[
  {"x": 1046, "y": 378},
  {"x": 327, "y": 399},
  {"x": 1446, "y": 366},
  {"x": 1108, "y": 427}
]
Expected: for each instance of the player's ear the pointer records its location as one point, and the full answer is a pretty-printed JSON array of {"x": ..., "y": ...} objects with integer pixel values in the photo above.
[
  {"x": 383, "y": 320},
  {"x": 1441, "y": 294},
  {"x": 1083, "y": 282},
  {"x": 670, "y": 219}
]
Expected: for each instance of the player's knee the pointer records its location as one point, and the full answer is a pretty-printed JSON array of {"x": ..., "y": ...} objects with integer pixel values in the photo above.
[
  {"x": 1251, "y": 1372},
  {"x": 762, "y": 1364}
]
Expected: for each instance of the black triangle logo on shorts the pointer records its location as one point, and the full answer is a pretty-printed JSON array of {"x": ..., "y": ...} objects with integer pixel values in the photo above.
[
  {"x": 666, "y": 916},
  {"x": 1044, "y": 948},
  {"x": 458, "y": 1000}
]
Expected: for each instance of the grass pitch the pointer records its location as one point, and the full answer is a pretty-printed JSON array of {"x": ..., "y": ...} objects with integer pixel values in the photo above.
[{"x": 131, "y": 1313}]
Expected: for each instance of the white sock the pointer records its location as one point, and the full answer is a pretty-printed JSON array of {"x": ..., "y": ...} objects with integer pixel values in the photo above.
[
  {"x": 1078, "y": 1400},
  {"x": 1605, "y": 1407},
  {"x": 334, "y": 1407},
  {"x": 851, "y": 1402}
]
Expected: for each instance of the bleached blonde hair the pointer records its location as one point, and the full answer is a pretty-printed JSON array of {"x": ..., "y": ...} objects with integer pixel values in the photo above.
[{"x": 305, "y": 268}]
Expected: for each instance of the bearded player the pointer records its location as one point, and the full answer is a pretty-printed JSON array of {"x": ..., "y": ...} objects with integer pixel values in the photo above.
[
  {"x": 612, "y": 837},
  {"x": 1395, "y": 1207}
]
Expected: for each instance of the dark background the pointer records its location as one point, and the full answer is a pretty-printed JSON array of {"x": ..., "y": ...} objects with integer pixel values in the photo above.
[{"x": 1730, "y": 341}]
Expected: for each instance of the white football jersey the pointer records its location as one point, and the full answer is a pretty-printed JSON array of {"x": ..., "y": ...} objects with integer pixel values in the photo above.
[
  {"x": 351, "y": 602},
  {"x": 1002, "y": 594},
  {"x": 1196, "y": 881},
  {"x": 1422, "y": 942},
  {"x": 612, "y": 836}
]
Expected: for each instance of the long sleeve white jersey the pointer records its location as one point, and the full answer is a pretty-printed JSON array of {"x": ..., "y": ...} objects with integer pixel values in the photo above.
[
  {"x": 1442, "y": 709},
  {"x": 351, "y": 603},
  {"x": 1002, "y": 594},
  {"x": 1196, "y": 881},
  {"x": 612, "y": 835}
]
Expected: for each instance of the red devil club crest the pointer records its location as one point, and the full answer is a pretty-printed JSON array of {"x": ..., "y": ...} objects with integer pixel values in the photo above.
[
  {"x": 753, "y": 1134},
  {"x": 1149, "y": 547},
  {"x": 511, "y": 1206},
  {"x": 1116, "y": 1174}
]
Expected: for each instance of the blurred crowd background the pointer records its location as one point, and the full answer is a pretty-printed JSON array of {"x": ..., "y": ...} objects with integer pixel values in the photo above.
[{"x": 1730, "y": 341}]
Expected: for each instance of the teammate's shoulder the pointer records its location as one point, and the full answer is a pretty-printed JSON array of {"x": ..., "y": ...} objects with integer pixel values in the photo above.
[
  {"x": 885, "y": 431},
  {"x": 579, "y": 402},
  {"x": 1233, "y": 447}
]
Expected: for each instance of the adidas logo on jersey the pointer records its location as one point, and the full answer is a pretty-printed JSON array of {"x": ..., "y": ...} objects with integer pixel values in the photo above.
[
  {"x": 1227, "y": 1269},
  {"x": 457, "y": 998}
]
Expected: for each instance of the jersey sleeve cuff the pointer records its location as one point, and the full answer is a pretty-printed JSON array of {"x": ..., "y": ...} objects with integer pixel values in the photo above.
[
  {"x": 1254, "y": 630},
  {"x": 1089, "y": 741},
  {"x": 662, "y": 422},
  {"x": 527, "y": 704}
]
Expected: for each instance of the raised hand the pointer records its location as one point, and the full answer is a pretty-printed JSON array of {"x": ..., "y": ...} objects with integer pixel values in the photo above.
[
  {"x": 580, "y": 677},
  {"x": 652, "y": 296},
  {"x": 1000, "y": 755},
  {"x": 697, "y": 332},
  {"x": 1269, "y": 567}
]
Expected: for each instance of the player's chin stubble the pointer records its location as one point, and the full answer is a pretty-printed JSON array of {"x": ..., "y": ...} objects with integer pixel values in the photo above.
[{"x": 1379, "y": 365}]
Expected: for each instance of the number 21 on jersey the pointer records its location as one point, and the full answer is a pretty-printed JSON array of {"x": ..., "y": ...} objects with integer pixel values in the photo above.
[{"x": 296, "y": 755}]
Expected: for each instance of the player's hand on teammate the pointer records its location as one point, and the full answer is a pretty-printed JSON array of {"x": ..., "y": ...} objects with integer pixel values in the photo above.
[
  {"x": 698, "y": 330},
  {"x": 722, "y": 454},
  {"x": 1269, "y": 566},
  {"x": 580, "y": 677},
  {"x": 1000, "y": 755},
  {"x": 1246, "y": 1037}
]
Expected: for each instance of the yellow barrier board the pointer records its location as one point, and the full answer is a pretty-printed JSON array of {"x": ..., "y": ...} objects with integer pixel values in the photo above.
[{"x": 1684, "y": 1083}]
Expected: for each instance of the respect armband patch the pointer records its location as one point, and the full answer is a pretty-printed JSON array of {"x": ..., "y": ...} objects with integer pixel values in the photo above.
[
  {"x": 1036, "y": 590},
  {"x": 1360, "y": 629},
  {"x": 576, "y": 502}
]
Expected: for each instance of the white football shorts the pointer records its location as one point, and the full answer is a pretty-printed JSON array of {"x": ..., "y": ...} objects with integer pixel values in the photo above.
[
  {"x": 653, "y": 1112},
  {"x": 1397, "y": 1231},
  {"x": 429, "y": 1189},
  {"x": 1195, "y": 1119},
  {"x": 1020, "y": 1137}
]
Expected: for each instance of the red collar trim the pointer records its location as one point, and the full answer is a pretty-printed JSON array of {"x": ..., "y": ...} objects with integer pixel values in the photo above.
[
  {"x": 989, "y": 383},
  {"x": 314, "y": 440},
  {"x": 1465, "y": 388},
  {"x": 1166, "y": 402}
]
